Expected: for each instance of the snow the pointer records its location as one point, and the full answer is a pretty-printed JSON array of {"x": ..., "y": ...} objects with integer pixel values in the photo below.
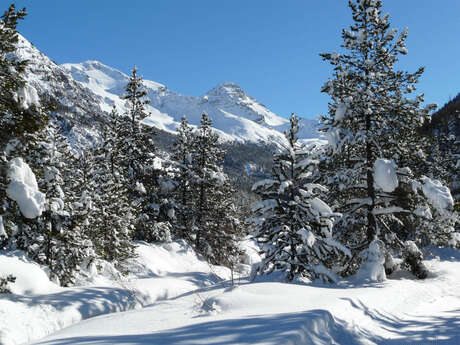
[
  {"x": 399, "y": 311},
  {"x": 385, "y": 177},
  {"x": 28, "y": 96},
  {"x": 321, "y": 207},
  {"x": 372, "y": 270},
  {"x": 340, "y": 112},
  {"x": 307, "y": 237},
  {"x": 184, "y": 303},
  {"x": 23, "y": 189},
  {"x": 438, "y": 195},
  {"x": 235, "y": 115},
  {"x": 38, "y": 307},
  {"x": 2, "y": 228}
]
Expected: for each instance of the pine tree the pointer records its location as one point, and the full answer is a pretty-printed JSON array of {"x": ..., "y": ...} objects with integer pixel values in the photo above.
[
  {"x": 183, "y": 155},
  {"x": 373, "y": 129},
  {"x": 294, "y": 225},
  {"x": 137, "y": 154},
  {"x": 53, "y": 239},
  {"x": 214, "y": 229},
  {"x": 17, "y": 116},
  {"x": 111, "y": 214}
]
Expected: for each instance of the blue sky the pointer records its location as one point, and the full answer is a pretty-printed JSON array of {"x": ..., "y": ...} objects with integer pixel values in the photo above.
[{"x": 269, "y": 47}]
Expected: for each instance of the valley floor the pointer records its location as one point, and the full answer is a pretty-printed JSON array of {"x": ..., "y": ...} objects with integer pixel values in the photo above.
[{"x": 185, "y": 303}]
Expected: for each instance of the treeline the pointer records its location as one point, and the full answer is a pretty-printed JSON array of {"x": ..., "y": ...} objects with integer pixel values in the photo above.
[{"x": 98, "y": 201}]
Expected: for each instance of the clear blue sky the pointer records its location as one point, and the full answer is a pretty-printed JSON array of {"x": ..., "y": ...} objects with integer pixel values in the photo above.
[{"x": 269, "y": 47}]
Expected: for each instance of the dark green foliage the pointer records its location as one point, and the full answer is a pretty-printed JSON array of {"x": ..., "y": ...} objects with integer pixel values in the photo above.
[
  {"x": 15, "y": 119},
  {"x": 205, "y": 214},
  {"x": 183, "y": 193}
]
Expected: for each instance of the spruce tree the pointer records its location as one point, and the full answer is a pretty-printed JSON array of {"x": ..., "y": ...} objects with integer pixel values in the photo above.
[
  {"x": 183, "y": 194},
  {"x": 373, "y": 132},
  {"x": 53, "y": 239},
  {"x": 138, "y": 158},
  {"x": 111, "y": 214},
  {"x": 214, "y": 228},
  {"x": 17, "y": 116},
  {"x": 293, "y": 224}
]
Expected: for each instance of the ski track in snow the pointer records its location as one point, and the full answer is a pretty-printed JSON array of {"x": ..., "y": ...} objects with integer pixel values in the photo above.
[{"x": 397, "y": 311}]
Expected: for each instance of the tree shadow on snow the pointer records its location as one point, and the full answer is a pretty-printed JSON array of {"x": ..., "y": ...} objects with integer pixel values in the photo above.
[
  {"x": 414, "y": 330},
  {"x": 92, "y": 301},
  {"x": 311, "y": 327}
]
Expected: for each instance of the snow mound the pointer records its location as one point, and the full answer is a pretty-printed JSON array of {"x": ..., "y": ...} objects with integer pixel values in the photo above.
[
  {"x": 385, "y": 177},
  {"x": 30, "y": 277},
  {"x": 372, "y": 270},
  {"x": 37, "y": 307},
  {"x": 23, "y": 189}
]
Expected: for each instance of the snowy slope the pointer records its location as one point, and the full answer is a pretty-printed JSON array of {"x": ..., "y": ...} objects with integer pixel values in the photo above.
[
  {"x": 398, "y": 311},
  {"x": 236, "y": 115},
  {"x": 78, "y": 108},
  {"x": 38, "y": 307}
]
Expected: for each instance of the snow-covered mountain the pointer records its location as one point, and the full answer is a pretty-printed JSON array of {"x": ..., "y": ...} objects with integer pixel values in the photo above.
[
  {"x": 236, "y": 115},
  {"x": 86, "y": 91}
]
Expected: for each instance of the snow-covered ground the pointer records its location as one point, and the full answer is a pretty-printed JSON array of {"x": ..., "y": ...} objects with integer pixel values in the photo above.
[
  {"x": 38, "y": 307},
  {"x": 186, "y": 303}
]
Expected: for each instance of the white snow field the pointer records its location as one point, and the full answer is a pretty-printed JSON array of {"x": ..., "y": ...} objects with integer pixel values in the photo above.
[
  {"x": 38, "y": 307},
  {"x": 186, "y": 303}
]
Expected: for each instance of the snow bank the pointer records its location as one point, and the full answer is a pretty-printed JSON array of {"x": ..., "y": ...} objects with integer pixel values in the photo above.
[
  {"x": 23, "y": 189},
  {"x": 38, "y": 307},
  {"x": 438, "y": 195},
  {"x": 400, "y": 311},
  {"x": 385, "y": 177}
]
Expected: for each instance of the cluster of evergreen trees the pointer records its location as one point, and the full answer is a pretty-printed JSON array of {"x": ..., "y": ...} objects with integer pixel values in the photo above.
[
  {"x": 98, "y": 201},
  {"x": 354, "y": 205},
  {"x": 372, "y": 128}
]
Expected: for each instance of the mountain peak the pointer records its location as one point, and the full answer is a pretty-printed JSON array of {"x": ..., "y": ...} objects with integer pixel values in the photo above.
[{"x": 227, "y": 89}]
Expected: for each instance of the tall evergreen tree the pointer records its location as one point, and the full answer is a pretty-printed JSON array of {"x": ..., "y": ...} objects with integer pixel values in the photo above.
[
  {"x": 294, "y": 225},
  {"x": 183, "y": 155},
  {"x": 138, "y": 158},
  {"x": 17, "y": 116},
  {"x": 213, "y": 227},
  {"x": 18, "y": 113},
  {"x": 111, "y": 228},
  {"x": 373, "y": 132}
]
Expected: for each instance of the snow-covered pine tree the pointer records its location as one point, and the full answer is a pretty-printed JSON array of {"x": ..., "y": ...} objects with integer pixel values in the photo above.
[
  {"x": 53, "y": 239},
  {"x": 183, "y": 155},
  {"x": 214, "y": 229},
  {"x": 19, "y": 114},
  {"x": 373, "y": 135},
  {"x": 293, "y": 224},
  {"x": 111, "y": 214},
  {"x": 137, "y": 154}
]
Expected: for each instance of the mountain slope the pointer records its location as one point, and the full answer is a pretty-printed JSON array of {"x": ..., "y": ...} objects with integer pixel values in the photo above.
[
  {"x": 235, "y": 115},
  {"x": 78, "y": 109},
  {"x": 86, "y": 91}
]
